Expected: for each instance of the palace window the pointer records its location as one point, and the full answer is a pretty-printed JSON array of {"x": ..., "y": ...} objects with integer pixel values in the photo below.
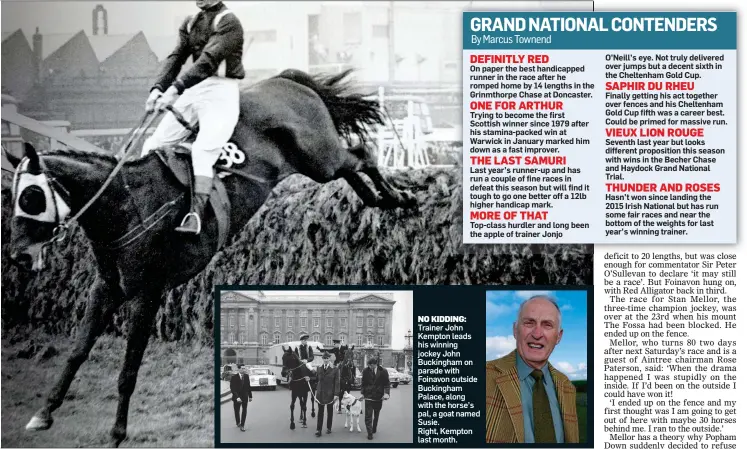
[
  {"x": 289, "y": 336},
  {"x": 381, "y": 340},
  {"x": 343, "y": 323},
  {"x": 317, "y": 322},
  {"x": 277, "y": 321},
  {"x": 303, "y": 322},
  {"x": 315, "y": 337},
  {"x": 342, "y": 339},
  {"x": 329, "y": 322},
  {"x": 290, "y": 322},
  {"x": 369, "y": 322},
  {"x": 264, "y": 339},
  {"x": 369, "y": 339},
  {"x": 276, "y": 338},
  {"x": 381, "y": 322},
  {"x": 360, "y": 340},
  {"x": 360, "y": 321},
  {"x": 328, "y": 339}
]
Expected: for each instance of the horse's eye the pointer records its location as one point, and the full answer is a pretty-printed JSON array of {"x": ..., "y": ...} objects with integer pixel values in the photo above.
[{"x": 32, "y": 200}]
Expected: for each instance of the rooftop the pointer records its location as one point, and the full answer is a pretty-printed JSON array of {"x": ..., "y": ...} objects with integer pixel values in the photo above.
[
  {"x": 53, "y": 42},
  {"x": 106, "y": 45},
  {"x": 310, "y": 297}
]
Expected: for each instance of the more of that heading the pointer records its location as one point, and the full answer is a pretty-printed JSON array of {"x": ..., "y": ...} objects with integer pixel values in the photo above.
[{"x": 591, "y": 24}]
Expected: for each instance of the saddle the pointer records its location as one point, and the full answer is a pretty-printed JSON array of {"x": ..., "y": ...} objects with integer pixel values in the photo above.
[{"x": 179, "y": 162}]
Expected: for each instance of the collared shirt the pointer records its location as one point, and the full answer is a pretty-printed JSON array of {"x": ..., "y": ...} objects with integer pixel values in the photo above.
[{"x": 526, "y": 382}]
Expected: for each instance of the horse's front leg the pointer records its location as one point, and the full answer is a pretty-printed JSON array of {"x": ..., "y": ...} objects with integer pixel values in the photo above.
[
  {"x": 358, "y": 158},
  {"x": 302, "y": 402},
  {"x": 103, "y": 301},
  {"x": 144, "y": 310},
  {"x": 293, "y": 407},
  {"x": 391, "y": 195}
]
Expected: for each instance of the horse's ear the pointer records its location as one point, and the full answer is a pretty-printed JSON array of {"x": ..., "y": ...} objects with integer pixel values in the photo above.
[
  {"x": 30, "y": 152},
  {"x": 15, "y": 157}
]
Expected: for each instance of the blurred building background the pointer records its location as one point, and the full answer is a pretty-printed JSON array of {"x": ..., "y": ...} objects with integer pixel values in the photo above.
[
  {"x": 95, "y": 79},
  {"x": 251, "y": 323},
  {"x": 90, "y": 70}
]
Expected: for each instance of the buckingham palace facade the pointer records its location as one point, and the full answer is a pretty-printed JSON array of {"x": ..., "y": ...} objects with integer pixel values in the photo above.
[{"x": 251, "y": 322}]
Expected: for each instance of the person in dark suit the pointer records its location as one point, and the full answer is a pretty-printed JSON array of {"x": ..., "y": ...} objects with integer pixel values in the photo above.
[
  {"x": 241, "y": 395},
  {"x": 375, "y": 390},
  {"x": 328, "y": 384},
  {"x": 305, "y": 352}
]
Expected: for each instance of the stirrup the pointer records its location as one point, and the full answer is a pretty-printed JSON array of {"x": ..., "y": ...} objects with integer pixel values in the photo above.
[{"x": 188, "y": 230}]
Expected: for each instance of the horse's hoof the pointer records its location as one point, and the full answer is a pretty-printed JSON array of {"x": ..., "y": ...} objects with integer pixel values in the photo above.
[
  {"x": 37, "y": 423},
  {"x": 313, "y": 415},
  {"x": 293, "y": 426},
  {"x": 303, "y": 426},
  {"x": 117, "y": 436}
]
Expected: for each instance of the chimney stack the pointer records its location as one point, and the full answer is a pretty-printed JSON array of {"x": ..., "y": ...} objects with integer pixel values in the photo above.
[
  {"x": 37, "y": 49},
  {"x": 99, "y": 10}
]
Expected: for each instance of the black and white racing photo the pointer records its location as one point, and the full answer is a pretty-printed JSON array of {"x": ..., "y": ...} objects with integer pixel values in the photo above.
[
  {"x": 316, "y": 366},
  {"x": 154, "y": 150}
]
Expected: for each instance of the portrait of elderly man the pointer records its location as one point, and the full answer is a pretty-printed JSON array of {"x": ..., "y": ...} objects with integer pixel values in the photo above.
[{"x": 528, "y": 400}]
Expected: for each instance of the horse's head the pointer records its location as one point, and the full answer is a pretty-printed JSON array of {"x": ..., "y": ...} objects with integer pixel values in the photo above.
[
  {"x": 290, "y": 361},
  {"x": 38, "y": 209}
]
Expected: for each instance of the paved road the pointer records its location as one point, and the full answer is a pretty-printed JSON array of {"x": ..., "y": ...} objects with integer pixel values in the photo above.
[{"x": 268, "y": 421}]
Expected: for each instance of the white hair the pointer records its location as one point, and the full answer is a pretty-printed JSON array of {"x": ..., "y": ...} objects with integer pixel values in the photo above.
[{"x": 545, "y": 297}]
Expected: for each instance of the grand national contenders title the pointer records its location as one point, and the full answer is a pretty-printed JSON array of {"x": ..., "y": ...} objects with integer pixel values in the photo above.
[{"x": 624, "y": 24}]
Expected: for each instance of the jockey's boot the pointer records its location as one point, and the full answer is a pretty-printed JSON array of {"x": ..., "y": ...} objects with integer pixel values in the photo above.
[{"x": 192, "y": 222}]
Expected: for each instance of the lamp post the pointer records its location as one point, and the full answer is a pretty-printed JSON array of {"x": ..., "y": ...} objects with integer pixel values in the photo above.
[
  {"x": 378, "y": 354},
  {"x": 368, "y": 351},
  {"x": 408, "y": 350}
]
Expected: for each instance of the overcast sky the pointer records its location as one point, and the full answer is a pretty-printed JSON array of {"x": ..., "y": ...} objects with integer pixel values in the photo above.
[{"x": 159, "y": 18}]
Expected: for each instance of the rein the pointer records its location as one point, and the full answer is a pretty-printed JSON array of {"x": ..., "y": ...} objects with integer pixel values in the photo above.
[{"x": 60, "y": 231}]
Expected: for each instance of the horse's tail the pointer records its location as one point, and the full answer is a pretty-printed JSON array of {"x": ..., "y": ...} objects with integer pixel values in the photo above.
[{"x": 351, "y": 112}]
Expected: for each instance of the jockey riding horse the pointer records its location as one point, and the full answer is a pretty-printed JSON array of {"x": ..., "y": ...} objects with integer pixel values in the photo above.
[{"x": 208, "y": 92}]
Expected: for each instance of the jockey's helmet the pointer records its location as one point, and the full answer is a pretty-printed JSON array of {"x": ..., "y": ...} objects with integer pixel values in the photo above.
[{"x": 206, "y": 4}]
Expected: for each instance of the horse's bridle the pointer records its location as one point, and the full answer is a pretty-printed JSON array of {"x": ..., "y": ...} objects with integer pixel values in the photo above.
[
  {"x": 298, "y": 359},
  {"x": 60, "y": 231}
]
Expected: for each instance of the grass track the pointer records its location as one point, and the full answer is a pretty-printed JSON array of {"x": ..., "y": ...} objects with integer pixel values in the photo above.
[{"x": 172, "y": 405}]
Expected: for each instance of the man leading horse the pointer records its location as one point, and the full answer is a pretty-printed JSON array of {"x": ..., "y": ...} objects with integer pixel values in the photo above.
[{"x": 208, "y": 92}]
